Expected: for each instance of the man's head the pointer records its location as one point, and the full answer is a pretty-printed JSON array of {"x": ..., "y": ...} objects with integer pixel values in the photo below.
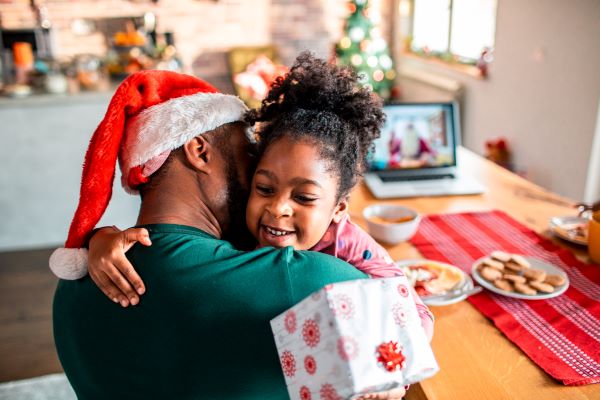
[
  {"x": 151, "y": 114},
  {"x": 212, "y": 171}
]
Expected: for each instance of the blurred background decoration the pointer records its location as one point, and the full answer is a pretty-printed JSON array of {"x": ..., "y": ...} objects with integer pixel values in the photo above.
[
  {"x": 253, "y": 70},
  {"x": 498, "y": 151},
  {"x": 364, "y": 48}
]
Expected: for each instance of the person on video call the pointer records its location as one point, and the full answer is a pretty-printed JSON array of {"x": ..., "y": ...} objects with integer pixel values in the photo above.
[{"x": 409, "y": 150}]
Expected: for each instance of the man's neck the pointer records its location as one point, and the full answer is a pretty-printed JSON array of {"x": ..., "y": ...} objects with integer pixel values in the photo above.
[{"x": 177, "y": 207}]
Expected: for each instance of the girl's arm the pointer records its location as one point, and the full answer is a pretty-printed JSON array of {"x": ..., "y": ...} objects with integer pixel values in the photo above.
[{"x": 110, "y": 269}]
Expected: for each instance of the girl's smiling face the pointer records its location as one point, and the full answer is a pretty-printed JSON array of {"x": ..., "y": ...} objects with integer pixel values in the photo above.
[{"x": 292, "y": 196}]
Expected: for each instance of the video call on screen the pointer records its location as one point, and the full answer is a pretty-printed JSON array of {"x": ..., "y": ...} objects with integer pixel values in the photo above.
[{"x": 415, "y": 136}]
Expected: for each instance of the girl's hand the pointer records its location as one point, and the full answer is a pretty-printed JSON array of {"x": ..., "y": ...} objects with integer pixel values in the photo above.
[
  {"x": 110, "y": 269},
  {"x": 393, "y": 394}
]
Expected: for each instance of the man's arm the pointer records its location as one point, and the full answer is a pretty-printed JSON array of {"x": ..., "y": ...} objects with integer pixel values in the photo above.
[{"x": 309, "y": 271}]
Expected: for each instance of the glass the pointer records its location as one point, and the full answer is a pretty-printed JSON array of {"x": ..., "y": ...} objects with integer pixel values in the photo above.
[
  {"x": 431, "y": 24},
  {"x": 89, "y": 71},
  {"x": 461, "y": 28},
  {"x": 473, "y": 27},
  {"x": 594, "y": 237}
]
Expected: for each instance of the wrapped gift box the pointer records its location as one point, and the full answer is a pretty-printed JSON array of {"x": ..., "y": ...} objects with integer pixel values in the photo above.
[{"x": 352, "y": 338}]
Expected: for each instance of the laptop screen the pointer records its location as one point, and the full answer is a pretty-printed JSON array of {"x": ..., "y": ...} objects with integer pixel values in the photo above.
[{"x": 416, "y": 136}]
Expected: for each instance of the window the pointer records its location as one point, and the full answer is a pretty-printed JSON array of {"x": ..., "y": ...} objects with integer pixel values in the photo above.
[{"x": 454, "y": 30}]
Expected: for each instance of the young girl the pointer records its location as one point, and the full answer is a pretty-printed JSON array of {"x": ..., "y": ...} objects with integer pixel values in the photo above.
[{"x": 316, "y": 126}]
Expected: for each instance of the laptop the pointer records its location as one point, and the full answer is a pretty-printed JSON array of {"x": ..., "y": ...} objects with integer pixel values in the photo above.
[{"x": 416, "y": 153}]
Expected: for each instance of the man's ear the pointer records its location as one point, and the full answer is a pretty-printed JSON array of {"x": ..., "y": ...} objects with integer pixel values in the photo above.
[
  {"x": 340, "y": 210},
  {"x": 199, "y": 153}
]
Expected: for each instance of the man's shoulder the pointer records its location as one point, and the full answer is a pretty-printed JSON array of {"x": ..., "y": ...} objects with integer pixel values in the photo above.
[
  {"x": 325, "y": 261},
  {"x": 309, "y": 271},
  {"x": 174, "y": 241},
  {"x": 311, "y": 257}
]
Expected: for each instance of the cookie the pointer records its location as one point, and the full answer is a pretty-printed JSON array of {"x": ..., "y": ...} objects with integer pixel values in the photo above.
[
  {"x": 490, "y": 274},
  {"x": 554, "y": 280},
  {"x": 520, "y": 260},
  {"x": 512, "y": 266},
  {"x": 542, "y": 287},
  {"x": 536, "y": 275},
  {"x": 503, "y": 285},
  {"x": 525, "y": 289},
  {"x": 514, "y": 278},
  {"x": 493, "y": 263},
  {"x": 501, "y": 256}
]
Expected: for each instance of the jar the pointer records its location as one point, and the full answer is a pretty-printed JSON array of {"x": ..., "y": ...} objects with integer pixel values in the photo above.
[{"x": 89, "y": 71}]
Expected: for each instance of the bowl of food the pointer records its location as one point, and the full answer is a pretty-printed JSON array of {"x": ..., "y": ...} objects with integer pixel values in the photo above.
[{"x": 391, "y": 223}]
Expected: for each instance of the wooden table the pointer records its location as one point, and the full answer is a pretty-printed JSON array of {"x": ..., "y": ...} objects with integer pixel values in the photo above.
[{"x": 476, "y": 360}]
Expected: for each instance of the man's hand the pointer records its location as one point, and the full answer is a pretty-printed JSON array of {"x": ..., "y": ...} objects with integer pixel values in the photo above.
[
  {"x": 110, "y": 269},
  {"x": 393, "y": 394}
]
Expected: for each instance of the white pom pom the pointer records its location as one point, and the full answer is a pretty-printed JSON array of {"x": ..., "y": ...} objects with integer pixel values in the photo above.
[{"x": 69, "y": 264}]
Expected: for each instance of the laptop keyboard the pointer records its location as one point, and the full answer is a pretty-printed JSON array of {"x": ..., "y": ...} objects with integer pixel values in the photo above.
[{"x": 415, "y": 177}]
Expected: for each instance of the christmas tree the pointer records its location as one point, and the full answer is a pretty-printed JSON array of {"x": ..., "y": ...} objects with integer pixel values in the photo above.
[{"x": 364, "y": 48}]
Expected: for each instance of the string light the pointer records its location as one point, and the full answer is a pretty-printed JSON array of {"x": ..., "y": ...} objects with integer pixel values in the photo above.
[
  {"x": 385, "y": 61},
  {"x": 356, "y": 60},
  {"x": 357, "y": 34},
  {"x": 345, "y": 42}
]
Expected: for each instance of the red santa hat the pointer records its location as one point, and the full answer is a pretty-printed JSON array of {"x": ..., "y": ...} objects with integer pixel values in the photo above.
[{"x": 150, "y": 114}]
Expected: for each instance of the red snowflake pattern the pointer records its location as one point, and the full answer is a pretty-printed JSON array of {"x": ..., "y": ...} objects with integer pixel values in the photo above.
[
  {"x": 305, "y": 393},
  {"x": 310, "y": 364},
  {"x": 288, "y": 363},
  {"x": 328, "y": 287},
  {"x": 311, "y": 333},
  {"x": 343, "y": 306},
  {"x": 403, "y": 290},
  {"x": 347, "y": 348},
  {"x": 290, "y": 321},
  {"x": 400, "y": 316},
  {"x": 328, "y": 392}
]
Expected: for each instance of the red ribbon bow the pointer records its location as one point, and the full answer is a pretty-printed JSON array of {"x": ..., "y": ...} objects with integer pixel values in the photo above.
[{"x": 390, "y": 355}]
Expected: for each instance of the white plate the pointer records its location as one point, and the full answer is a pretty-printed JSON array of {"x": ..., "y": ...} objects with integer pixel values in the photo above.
[
  {"x": 466, "y": 282},
  {"x": 535, "y": 263},
  {"x": 560, "y": 227}
]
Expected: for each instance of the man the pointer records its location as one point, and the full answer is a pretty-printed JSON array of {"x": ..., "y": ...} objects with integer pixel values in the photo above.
[
  {"x": 412, "y": 151},
  {"x": 202, "y": 331}
]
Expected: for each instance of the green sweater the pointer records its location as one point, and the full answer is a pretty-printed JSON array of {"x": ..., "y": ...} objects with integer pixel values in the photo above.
[{"x": 202, "y": 329}]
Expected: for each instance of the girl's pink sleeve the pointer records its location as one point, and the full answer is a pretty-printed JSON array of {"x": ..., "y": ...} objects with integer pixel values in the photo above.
[
  {"x": 349, "y": 242},
  {"x": 424, "y": 313}
]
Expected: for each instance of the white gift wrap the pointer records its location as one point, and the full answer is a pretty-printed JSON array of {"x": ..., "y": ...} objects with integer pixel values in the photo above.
[{"x": 328, "y": 343}]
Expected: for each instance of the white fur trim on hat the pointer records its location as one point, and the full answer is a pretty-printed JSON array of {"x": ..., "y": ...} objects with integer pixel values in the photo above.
[
  {"x": 167, "y": 126},
  {"x": 69, "y": 264}
]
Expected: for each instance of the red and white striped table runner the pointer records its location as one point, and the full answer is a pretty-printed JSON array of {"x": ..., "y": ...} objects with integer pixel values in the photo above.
[{"x": 562, "y": 334}]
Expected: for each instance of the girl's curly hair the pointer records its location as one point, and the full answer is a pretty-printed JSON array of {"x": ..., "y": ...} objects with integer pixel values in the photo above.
[{"x": 322, "y": 103}]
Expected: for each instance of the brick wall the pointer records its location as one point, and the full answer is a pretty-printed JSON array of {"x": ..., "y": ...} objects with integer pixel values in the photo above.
[{"x": 204, "y": 29}]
